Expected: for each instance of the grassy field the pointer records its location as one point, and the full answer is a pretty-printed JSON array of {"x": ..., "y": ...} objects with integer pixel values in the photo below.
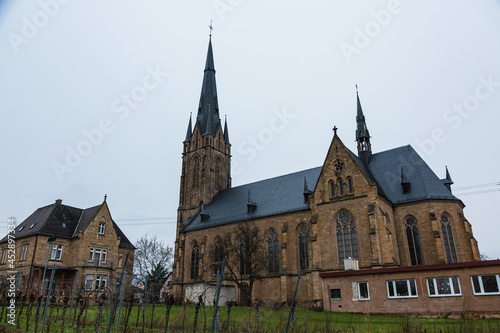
[{"x": 243, "y": 319}]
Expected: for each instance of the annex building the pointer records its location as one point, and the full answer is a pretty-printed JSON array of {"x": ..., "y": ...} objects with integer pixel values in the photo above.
[
  {"x": 82, "y": 243},
  {"x": 360, "y": 220}
]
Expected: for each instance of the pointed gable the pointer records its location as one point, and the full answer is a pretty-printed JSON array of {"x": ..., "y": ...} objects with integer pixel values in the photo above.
[{"x": 339, "y": 166}]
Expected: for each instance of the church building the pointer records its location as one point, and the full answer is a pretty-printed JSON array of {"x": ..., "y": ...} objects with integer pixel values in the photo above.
[{"x": 360, "y": 210}]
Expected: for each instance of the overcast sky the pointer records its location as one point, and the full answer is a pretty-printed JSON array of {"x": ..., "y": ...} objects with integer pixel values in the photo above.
[{"x": 96, "y": 96}]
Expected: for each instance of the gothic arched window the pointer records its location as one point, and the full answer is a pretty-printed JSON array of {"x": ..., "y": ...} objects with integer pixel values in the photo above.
[
  {"x": 341, "y": 186},
  {"x": 413, "y": 241},
  {"x": 195, "y": 261},
  {"x": 449, "y": 244},
  {"x": 273, "y": 250},
  {"x": 303, "y": 244},
  {"x": 347, "y": 239},
  {"x": 218, "y": 255},
  {"x": 349, "y": 185},
  {"x": 196, "y": 172},
  {"x": 331, "y": 186}
]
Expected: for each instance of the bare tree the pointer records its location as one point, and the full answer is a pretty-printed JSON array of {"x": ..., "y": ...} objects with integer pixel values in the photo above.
[
  {"x": 245, "y": 254},
  {"x": 153, "y": 260}
]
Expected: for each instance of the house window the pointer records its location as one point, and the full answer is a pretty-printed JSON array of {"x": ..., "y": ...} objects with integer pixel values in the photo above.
[
  {"x": 449, "y": 244},
  {"x": 349, "y": 185},
  {"x": 363, "y": 293},
  {"x": 195, "y": 261},
  {"x": 98, "y": 255},
  {"x": 4, "y": 256},
  {"x": 335, "y": 294},
  {"x": 486, "y": 284},
  {"x": 24, "y": 251},
  {"x": 413, "y": 241},
  {"x": 303, "y": 242},
  {"x": 101, "y": 281},
  {"x": 341, "y": 186},
  {"x": 273, "y": 252},
  {"x": 347, "y": 240},
  {"x": 89, "y": 281},
  {"x": 56, "y": 252},
  {"x": 332, "y": 189},
  {"x": 102, "y": 228},
  {"x": 402, "y": 288},
  {"x": 444, "y": 286}
]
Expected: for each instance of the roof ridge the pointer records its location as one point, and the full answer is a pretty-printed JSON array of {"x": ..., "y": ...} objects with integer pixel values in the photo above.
[{"x": 275, "y": 177}]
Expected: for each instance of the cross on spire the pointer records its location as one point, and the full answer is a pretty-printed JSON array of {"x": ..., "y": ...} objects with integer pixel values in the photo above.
[
  {"x": 211, "y": 28},
  {"x": 335, "y": 128}
]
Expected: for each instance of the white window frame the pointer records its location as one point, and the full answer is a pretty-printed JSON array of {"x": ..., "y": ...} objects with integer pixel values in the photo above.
[
  {"x": 102, "y": 228},
  {"x": 59, "y": 252},
  {"x": 481, "y": 286},
  {"x": 56, "y": 252},
  {"x": 408, "y": 286},
  {"x": 367, "y": 290},
  {"x": 4, "y": 256},
  {"x": 53, "y": 252},
  {"x": 454, "y": 293},
  {"x": 89, "y": 277},
  {"x": 98, "y": 253},
  {"x": 24, "y": 251}
]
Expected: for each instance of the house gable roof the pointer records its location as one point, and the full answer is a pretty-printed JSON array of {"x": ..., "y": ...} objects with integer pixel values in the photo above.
[{"x": 62, "y": 221}]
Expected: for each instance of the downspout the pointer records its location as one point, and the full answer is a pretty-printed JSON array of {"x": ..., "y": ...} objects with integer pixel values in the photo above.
[{"x": 32, "y": 258}]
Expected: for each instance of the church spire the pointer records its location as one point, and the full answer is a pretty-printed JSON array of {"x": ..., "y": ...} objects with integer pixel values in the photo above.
[
  {"x": 189, "y": 132},
  {"x": 362, "y": 134},
  {"x": 208, "y": 109},
  {"x": 226, "y": 132}
]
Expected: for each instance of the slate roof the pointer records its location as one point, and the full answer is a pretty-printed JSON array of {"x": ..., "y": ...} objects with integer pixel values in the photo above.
[
  {"x": 63, "y": 221},
  {"x": 208, "y": 110},
  {"x": 285, "y": 193}
]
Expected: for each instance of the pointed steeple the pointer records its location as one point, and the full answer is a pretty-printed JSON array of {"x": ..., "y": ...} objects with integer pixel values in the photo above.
[
  {"x": 251, "y": 206},
  {"x": 189, "y": 132},
  {"x": 307, "y": 192},
  {"x": 362, "y": 134},
  {"x": 447, "y": 181},
  {"x": 208, "y": 109},
  {"x": 226, "y": 132},
  {"x": 405, "y": 184}
]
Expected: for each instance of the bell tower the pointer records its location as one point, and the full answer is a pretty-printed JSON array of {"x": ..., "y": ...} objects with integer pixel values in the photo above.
[{"x": 206, "y": 156}]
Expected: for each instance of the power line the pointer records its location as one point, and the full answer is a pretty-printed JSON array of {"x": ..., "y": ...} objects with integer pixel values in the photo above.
[
  {"x": 470, "y": 187},
  {"x": 478, "y": 192}
]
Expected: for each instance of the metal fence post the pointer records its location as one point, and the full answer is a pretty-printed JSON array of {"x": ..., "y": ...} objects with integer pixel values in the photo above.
[
  {"x": 293, "y": 302},
  {"x": 48, "y": 296},
  {"x": 73, "y": 296}
]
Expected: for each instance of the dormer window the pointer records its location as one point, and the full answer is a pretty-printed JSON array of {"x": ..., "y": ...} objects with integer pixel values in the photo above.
[
  {"x": 21, "y": 228},
  {"x": 31, "y": 226},
  {"x": 102, "y": 228}
]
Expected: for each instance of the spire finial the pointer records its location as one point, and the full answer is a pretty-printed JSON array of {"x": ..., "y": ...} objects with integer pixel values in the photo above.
[
  {"x": 335, "y": 128},
  {"x": 105, "y": 197},
  {"x": 356, "y": 88},
  {"x": 211, "y": 28}
]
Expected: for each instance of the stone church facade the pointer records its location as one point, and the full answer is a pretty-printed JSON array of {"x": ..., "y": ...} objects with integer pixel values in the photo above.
[{"x": 385, "y": 209}]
